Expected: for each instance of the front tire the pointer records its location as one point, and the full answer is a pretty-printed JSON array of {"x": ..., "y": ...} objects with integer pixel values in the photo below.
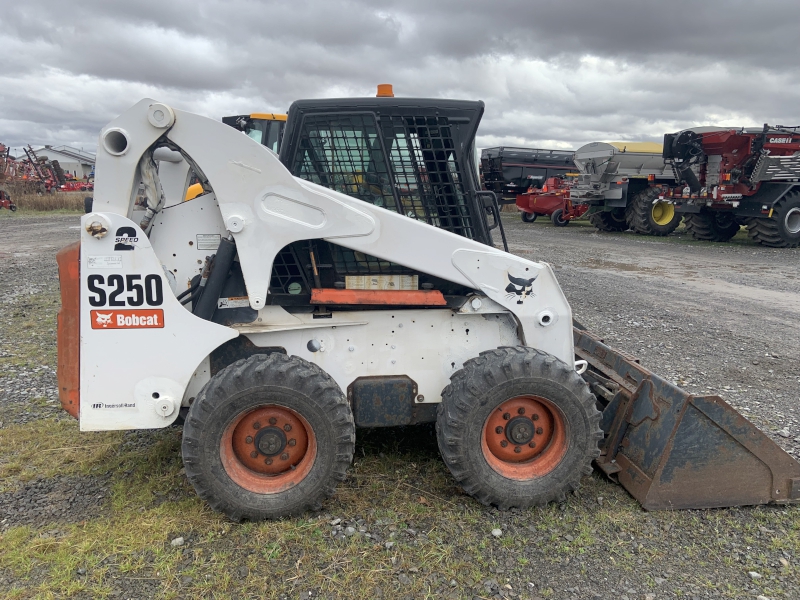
[
  {"x": 782, "y": 230},
  {"x": 518, "y": 427},
  {"x": 269, "y": 436},
  {"x": 528, "y": 217},
  {"x": 650, "y": 216},
  {"x": 609, "y": 220},
  {"x": 711, "y": 226}
]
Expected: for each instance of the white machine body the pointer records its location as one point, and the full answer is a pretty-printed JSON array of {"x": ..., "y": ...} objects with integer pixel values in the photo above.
[{"x": 143, "y": 354}]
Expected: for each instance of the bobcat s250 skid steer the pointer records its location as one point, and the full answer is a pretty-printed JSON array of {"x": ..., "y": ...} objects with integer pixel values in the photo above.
[{"x": 279, "y": 312}]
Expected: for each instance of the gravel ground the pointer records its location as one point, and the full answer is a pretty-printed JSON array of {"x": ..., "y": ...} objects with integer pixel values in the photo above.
[{"x": 713, "y": 318}]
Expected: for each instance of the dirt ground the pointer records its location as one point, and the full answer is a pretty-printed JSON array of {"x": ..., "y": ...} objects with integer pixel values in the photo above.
[{"x": 112, "y": 515}]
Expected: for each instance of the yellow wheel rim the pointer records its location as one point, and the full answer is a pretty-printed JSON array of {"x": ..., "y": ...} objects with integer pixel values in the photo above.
[{"x": 663, "y": 213}]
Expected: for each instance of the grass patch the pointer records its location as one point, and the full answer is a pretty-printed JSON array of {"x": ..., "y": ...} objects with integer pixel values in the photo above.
[
  {"x": 400, "y": 491},
  {"x": 47, "y": 448},
  {"x": 29, "y": 331},
  {"x": 56, "y": 201}
]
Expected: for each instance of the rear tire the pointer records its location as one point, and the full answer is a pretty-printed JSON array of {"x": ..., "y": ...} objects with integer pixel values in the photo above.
[
  {"x": 269, "y": 436},
  {"x": 711, "y": 226},
  {"x": 613, "y": 220},
  {"x": 13, "y": 208},
  {"x": 517, "y": 427},
  {"x": 648, "y": 216},
  {"x": 528, "y": 217},
  {"x": 558, "y": 218},
  {"x": 782, "y": 230}
]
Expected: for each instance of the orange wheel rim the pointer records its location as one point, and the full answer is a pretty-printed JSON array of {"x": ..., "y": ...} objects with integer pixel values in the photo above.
[
  {"x": 524, "y": 438},
  {"x": 268, "y": 449}
]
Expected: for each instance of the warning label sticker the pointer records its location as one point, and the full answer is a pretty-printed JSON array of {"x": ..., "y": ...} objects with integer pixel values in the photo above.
[
  {"x": 128, "y": 319},
  {"x": 208, "y": 241},
  {"x": 235, "y": 302}
]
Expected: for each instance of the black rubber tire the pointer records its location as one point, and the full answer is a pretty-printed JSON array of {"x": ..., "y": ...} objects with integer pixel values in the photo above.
[
  {"x": 13, "y": 208},
  {"x": 711, "y": 226},
  {"x": 775, "y": 232},
  {"x": 88, "y": 201},
  {"x": 527, "y": 217},
  {"x": 640, "y": 214},
  {"x": 611, "y": 221},
  {"x": 558, "y": 219},
  {"x": 482, "y": 385},
  {"x": 287, "y": 381}
]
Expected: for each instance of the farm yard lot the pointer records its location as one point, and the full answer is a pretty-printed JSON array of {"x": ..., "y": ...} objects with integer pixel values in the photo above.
[{"x": 112, "y": 515}]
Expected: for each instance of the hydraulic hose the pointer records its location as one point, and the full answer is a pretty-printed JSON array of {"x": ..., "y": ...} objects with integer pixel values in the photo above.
[{"x": 207, "y": 303}]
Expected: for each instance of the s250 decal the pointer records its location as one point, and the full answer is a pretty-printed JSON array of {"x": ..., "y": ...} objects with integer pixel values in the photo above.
[{"x": 129, "y": 290}]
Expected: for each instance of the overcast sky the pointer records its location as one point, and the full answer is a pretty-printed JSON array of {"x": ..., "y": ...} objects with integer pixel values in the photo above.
[{"x": 552, "y": 73}]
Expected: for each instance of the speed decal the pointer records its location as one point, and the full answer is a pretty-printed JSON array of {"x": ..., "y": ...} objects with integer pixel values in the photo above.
[
  {"x": 128, "y": 319},
  {"x": 121, "y": 291}
]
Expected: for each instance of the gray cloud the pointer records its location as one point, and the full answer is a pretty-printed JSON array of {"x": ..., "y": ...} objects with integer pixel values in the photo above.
[{"x": 552, "y": 73}]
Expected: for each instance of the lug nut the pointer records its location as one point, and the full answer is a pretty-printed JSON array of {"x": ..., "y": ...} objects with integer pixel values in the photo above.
[
  {"x": 504, "y": 443},
  {"x": 284, "y": 456},
  {"x": 535, "y": 417},
  {"x": 517, "y": 449},
  {"x": 249, "y": 439},
  {"x": 539, "y": 430},
  {"x": 272, "y": 420},
  {"x": 268, "y": 461},
  {"x": 254, "y": 454},
  {"x": 532, "y": 445},
  {"x": 292, "y": 442},
  {"x": 287, "y": 427},
  {"x": 520, "y": 411},
  {"x": 498, "y": 429},
  {"x": 256, "y": 425},
  {"x": 506, "y": 416}
]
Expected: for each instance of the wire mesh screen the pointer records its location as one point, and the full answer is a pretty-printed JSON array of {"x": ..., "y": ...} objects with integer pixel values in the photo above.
[
  {"x": 426, "y": 172},
  {"x": 344, "y": 154},
  {"x": 405, "y": 164},
  {"x": 286, "y": 270}
]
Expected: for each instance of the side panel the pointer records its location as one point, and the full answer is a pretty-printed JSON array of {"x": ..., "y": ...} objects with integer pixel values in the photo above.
[
  {"x": 427, "y": 346},
  {"x": 184, "y": 234},
  {"x": 68, "y": 332},
  {"x": 138, "y": 346}
]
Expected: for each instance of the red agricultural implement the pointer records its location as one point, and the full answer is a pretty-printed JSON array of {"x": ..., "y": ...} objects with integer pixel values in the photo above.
[
  {"x": 551, "y": 200},
  {"x": 5, "y": 202},
  {"x": 77, "y": 186}
]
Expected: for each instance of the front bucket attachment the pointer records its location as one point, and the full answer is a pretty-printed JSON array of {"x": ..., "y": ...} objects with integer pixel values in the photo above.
[{"x": 673, "y": 450}]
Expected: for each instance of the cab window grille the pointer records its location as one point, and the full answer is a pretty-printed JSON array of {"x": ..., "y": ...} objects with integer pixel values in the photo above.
[
  {"x": 407, "y": 164},
  {"x": 344, "y": 153},
  {"x": 426, "y": 172}
]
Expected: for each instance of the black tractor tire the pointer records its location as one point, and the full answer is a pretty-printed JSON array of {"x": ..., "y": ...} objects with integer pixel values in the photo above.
[
  {"x": 782, "y": 230},
  {"x": 558, "y": 218},
  {"x": 613, "y": 220},
  {"x": 711, "y": 226},
  {"x": 472, "y": 426},
  {"x": 260, "y": 397},
  {"x": 648, "y": 218},
  {"x": 88, "y": 202},
  {"x": 13, "y": 207},
  {"x": 527, "y": 217}
]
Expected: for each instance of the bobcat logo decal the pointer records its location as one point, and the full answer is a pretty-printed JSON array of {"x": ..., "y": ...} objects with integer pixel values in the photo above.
[{"x": 521, "y": 288}]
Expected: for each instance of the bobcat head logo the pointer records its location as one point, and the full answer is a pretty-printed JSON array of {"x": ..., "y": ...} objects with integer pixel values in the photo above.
[
  {"x": 521, "y": 288},
  {"x": 104, "y": 319}
]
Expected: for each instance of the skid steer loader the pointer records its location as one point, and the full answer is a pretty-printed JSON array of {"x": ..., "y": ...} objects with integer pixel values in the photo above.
[{"x": 360, "y": 287}]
